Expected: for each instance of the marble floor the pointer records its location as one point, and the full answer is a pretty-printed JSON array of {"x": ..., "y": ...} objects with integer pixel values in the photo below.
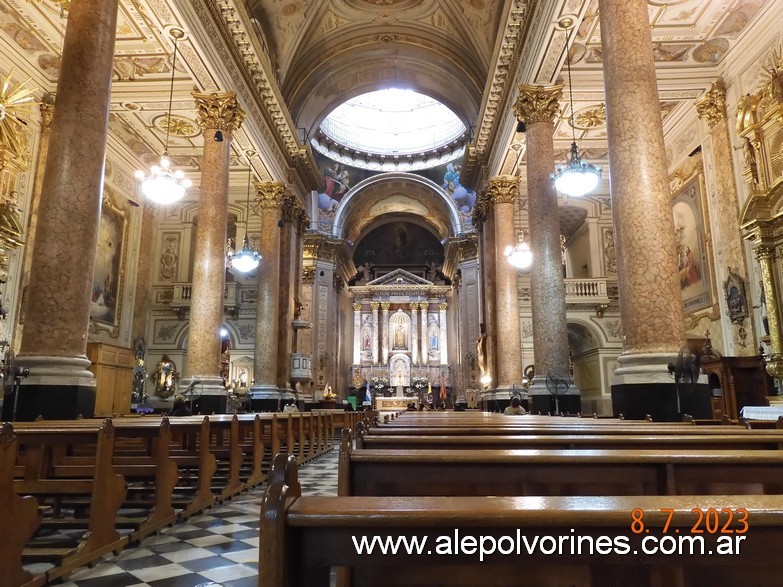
[{"x": 216, "y": 549}]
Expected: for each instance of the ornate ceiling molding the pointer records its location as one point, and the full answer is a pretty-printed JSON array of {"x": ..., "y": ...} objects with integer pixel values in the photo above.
[{"x": 510, "y": 43}]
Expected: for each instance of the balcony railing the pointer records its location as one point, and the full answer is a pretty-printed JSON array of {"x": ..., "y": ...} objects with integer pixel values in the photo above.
[
  {"x": 581, "y": 291},
  {"x": 183, "y": 292}
]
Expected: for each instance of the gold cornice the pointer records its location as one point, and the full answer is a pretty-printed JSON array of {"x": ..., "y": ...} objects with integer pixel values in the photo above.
[
  {"x": 512, "y": 36},
  {"x": 503, "y": 189},
  {"x": 538, "y": 103},
  {"x": 271, "y": 194},
  {"x": 712, "y": 106},
  {"x": 218, "y": 111}
]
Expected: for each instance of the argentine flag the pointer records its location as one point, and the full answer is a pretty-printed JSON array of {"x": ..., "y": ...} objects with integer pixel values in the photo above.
[{"x": 367, "y": 396}]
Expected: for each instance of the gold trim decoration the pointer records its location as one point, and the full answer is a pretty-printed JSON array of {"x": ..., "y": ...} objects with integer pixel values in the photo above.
[
  {"x": 15, "y": 102},
  {"x": 538, "y": 103},
  {"x": 219, "y": 111},
  {"x": 357, "y": 307},
  {"x": 443, "y": 305},
  {"x": 385, "y": 306},
  {"x": 271, "y": 194},
  {"x": 712, "y": 106},
  {"x": 503, "y": 189},
  {"x": 375, "y": 306}
]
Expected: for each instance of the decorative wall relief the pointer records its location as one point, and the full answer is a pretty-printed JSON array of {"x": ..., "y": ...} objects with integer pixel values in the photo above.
[
  {"x": 169, "y": 258},
  {"x": 736, "y": 300},
  {"x": 610, "y": 253}
]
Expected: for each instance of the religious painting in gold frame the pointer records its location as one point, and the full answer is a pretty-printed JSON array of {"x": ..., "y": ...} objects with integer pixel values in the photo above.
[
  {"x": 108, "y": 280},
  {"x": 693, "y": 255}
]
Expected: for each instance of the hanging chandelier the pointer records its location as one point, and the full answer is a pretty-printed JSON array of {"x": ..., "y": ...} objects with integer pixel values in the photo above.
[
  {"x": 163, "y": 185},
  {"x": 246, "y": 259},
  {"x": 520, "y": 255},
  {"x": 577, "y": 177}
]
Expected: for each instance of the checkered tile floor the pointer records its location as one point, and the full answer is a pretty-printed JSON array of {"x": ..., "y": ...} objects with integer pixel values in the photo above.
[{"x": 218, "y": 548}]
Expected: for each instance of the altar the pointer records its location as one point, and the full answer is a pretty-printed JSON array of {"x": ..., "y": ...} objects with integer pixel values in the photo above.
[{"x": 395, "y": 404}]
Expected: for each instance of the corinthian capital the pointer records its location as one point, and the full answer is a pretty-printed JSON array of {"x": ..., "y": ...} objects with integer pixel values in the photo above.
[
  {"x": 712, "y": 105},
  {"x": 271, "y": 194},
  {"x": 219, "y": 111},
  {"x": 503, "y": 189},
  {"x": 538, "y": 103}
]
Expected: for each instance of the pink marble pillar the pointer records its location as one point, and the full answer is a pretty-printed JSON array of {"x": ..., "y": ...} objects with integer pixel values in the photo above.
[
  {"x": 650, "y": 299},
  {"x": 487, "y": 365},
  {"x": 217, "y": 113},
  {"x": 47, "y": 114},
  {"x": 537, "y": 106},
  {"x": 503, "y": 191},
  {"x": 269, "y": 196},
  {"x": 286, "y": 292},
  {"x": 61, "y": 277}
]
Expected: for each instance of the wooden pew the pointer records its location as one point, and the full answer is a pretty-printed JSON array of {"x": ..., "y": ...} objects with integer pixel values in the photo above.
[
  {"x": 307, "y": 541},
  {"x": 105, "y": 488},
  {"x": 20, "y": 516}
]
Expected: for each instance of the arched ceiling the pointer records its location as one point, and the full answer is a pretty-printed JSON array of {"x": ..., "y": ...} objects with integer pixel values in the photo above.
[
  {"x": 327, "y": 52},
  {"x": 394, "y": 197}
]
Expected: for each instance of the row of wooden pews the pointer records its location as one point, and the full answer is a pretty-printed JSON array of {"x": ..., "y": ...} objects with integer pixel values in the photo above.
[
  {"x": 440, "y": 475},
  {"x": 78, "y": 489}
]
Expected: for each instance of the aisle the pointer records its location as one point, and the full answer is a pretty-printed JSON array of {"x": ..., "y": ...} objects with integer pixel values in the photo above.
[{"x": 219, "y": 548}]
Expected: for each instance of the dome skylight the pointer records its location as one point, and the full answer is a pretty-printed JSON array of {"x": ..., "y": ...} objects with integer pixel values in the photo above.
[{"x": 393, "y": 122}]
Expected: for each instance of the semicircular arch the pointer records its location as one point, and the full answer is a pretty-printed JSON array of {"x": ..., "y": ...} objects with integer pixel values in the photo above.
[{"x": 396, "y": 193}]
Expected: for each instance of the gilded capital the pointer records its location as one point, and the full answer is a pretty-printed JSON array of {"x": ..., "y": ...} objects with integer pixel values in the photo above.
[
  {"x": 288, "y": 209},
  {"x": 538, "y": 103},
  {"x": 765, "y": 252},
  {"x": 219, "y": 111},
  {"x": 385, "y": 306},
  {"x": 375, "y": 306},
  {"x": 712, "y": 105},
  {"x": 503, "y": 189},
  {"x": 271, "y": 194},
  {"x": 357, "y": 307},
  {"x": 443, "y": 305},
  {"x": 301, "y": 219}
]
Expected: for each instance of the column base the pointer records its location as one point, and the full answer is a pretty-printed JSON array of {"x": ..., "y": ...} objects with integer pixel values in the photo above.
[
  {"x": 542, "y": 401},
  {"x": 269, "y": 398},
  {"x": 208, "y": 395},
  {"x": 55, "y": 388},
  {"x": 660, "y": 401}
]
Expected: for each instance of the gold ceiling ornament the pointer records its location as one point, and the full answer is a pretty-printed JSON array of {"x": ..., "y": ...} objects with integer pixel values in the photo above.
[
  {"x": 503, "y": 189},
  {"x": 538, "y": 103},
  {"x": 219, "y": 111},
  {"x": 177, "y": 126},
  {"x": 590, "y": 118},
  {"x": 15, "y": 102},
  {"x": 712, "y": 106},
  {"x": 271, "y": 194}
]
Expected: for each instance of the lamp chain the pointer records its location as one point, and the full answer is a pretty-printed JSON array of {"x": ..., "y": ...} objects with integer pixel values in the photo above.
[
  {"x": 171, "y": 95},
  {"x": 570, "y": 87}
]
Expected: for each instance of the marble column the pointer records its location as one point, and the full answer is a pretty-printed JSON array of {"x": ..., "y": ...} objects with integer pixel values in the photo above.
[
  {"x": 443, "y": 340},
  {"x": 54, "y": 343},
  {"x": 488, "y": 284},
  {"x": 47, "y": 113},
  {"x": 425, "y": 353},
  {"x": 724, "y": 209},
  {"x": 217, "y": 113},
  {"x": 286, "y": 291},
  {"x": 537, "y": 106},
  {"x": 414, "y": 335},
  {"x": 269, "y": 196},
  {"x": 375, "y": 334},
  {"x": 357, "y": 334},
  {"x": 766, "y": 257},
  {"x": 503, "y": 191},
  {"x": 385, "y": 331},
  {"x": 648, "y": 279}
]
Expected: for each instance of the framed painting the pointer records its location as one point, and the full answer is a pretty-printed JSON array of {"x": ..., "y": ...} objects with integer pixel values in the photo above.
[
  {"x": 108, "y": 277},
  {"x": 693, "y": 259}
]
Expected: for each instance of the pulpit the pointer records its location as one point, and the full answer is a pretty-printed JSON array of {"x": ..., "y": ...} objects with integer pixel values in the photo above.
[{"x": 740, "y": 381}]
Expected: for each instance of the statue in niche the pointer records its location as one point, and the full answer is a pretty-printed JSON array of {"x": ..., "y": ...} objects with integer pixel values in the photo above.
[{"x": 399, "y": 337}]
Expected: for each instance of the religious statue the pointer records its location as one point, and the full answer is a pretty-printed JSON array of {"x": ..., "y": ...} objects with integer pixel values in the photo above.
[
  {"x": 298, "y": 306},
  {"x": 481, "y": 348},
  {"x": 166, "y": 377},
  {"x": 399, "y": 336}
]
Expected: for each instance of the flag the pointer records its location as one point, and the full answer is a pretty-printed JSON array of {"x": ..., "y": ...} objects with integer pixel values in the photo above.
[
  {"x": 442, "y": 387},
  {"x": 367, "y": 396}
]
